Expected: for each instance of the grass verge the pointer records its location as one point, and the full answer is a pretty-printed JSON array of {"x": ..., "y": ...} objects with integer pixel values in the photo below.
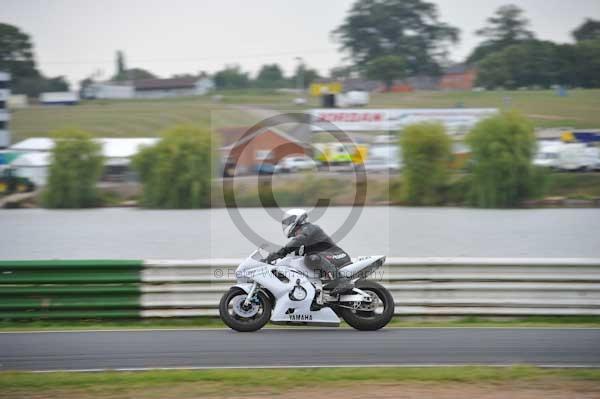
[
  {"x": 200, "y": 383},
  {"x": 213, "y": 322}
]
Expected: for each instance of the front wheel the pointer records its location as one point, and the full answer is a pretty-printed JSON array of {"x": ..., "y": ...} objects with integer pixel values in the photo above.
[
  {"x": 370, "y": 316},
  {"x": 241, "y": 317}
]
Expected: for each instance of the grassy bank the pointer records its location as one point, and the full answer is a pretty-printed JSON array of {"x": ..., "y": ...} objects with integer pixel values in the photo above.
[
  {"x": 543, "y": 107},
  {"x": 213, "y": 322},
  {"x": 261, "y": 383},
  {"x": 340, "y": 190},
  {"x": 144, "y": 118},
  {"x": 574, "y": 185}
]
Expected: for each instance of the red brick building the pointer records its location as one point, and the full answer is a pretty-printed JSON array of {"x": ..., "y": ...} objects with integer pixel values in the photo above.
[
  {"x": 264, "y": 146},
  {"x": 459, "y": 77}
]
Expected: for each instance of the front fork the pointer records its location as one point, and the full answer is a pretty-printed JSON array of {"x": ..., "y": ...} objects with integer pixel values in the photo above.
[{"x": 251, "y": 293}]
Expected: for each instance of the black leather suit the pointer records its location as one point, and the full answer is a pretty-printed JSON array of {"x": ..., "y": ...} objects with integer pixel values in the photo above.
[{"x": 320, "y": 252}]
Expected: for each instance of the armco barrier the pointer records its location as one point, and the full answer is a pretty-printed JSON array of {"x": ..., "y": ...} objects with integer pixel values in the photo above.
[{"x": 420, "y": 286}]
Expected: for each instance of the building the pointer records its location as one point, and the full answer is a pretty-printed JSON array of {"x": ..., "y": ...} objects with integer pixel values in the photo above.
[
  {"x": 149, "y": 88},
  {"x": 174, "y": 87},
  {"x": 459, "y": 77},
  {"x": 34, "y": 166},
  {"x": 412, "y": 83},
  {"x": 34, "y": 144},
  {"x": 16, "y": 101},
  {"x": 4, "y": 115},
  {"x": 245, "y": 155},
  {"x": 36, "y": 157},
  {"x": 108, "y": 91},
  {"x": 59, "y": 98}
]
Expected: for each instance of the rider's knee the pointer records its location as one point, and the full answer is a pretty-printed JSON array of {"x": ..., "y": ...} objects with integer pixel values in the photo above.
[{"x": 313, "y": 261}]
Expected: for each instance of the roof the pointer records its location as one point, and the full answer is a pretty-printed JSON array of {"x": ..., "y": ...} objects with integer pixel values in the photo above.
[
  {"x": 173, "y": 83},
  {"x": 34, "y": 144},
  {"x": 229, "y": 135},
  {"x": 124, "y": 148},
  {"x": 274, "y": 130},
  {"x": 458, "y": 68},
  {"x": 32, "y": 159},
  {"x": 111, "y": 147},
  {"x": 360, "y": 84}
]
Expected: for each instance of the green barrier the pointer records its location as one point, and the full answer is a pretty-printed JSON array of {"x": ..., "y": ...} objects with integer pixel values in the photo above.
[
  {"x": 71, "y": 264},
  {"x": 111, "y": 302},
  {"x": 70, "y": 289},
  {"x": 20, "y": 290},
  {"x": 89, "y": 314},
  {"x": 68, "y": 277}
]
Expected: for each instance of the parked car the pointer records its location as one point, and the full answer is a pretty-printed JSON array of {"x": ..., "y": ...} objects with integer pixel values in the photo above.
[
  {"x": 264, "y": 169},
  {"x": 293, "y": 164},
  {"x": 382, "y": 165}
]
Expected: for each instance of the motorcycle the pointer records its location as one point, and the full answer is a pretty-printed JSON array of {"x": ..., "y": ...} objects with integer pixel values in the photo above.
[{"x": 288, "y": 292}]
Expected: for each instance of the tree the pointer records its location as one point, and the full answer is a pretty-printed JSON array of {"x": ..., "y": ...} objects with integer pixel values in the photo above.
[
  {"x": 33, "y": 86},
  {"x": 16, "y": 57},
  {"x": 532, "y": 63},
  {"x": 231, "y": 78},
  {"x": 134, "y": 74},
  {"x": 407, "y": 28},
  {"x": 309, "y": 75},
  {"x": 542, "y": 63},
  {"x": 386, "y": 69},
  {"x": 16, "y": 53},
  {"x": 120, "y": 70},
  {"x": 589, "y": 30},
  {"x": 75, "y": 169},
  {"x": 341, "y": 72},
  {"x": 506, "y": 27},
  {"x": 177, "y": 171},
  {"x": 270, "y": 76},
  {"x": 426, "y": 152},
  {"x": 502, "y": 148},
  {"x": 586, "y": 65}
]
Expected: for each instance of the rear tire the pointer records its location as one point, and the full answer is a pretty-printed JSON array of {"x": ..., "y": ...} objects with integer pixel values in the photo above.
[
  {"x": 371, "y": 320},
  {"x": 244, "y": 324}
]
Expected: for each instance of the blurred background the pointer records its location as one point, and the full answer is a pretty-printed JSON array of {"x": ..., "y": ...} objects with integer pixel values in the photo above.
[{"x": 457, "y": 130}]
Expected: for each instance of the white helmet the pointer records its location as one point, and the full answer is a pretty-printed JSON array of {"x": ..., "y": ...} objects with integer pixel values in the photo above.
[{"x": 291, "y": 219}]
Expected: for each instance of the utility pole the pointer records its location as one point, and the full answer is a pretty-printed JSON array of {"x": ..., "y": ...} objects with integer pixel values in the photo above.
[{"x": 300, "y": 76}]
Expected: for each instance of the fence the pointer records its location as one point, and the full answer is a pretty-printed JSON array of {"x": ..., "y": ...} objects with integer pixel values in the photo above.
[{"x": 421, "y": 286}]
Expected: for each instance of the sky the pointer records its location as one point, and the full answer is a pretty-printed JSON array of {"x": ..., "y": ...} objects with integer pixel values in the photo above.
[{"x": 78, "y": 38}]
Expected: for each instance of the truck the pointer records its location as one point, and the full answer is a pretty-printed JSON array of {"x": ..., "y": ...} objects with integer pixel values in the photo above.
[
  {"x": 567, "y": 156},
  {"x": 59, "y": 98}
]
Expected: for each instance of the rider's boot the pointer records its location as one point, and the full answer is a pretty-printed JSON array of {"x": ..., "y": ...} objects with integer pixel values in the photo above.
[{"x": 339, "y": 284}]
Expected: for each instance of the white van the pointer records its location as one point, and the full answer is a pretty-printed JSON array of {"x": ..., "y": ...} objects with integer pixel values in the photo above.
[
  {"x": 548, "y": 154},
  {"x": 576, "y": 156}
]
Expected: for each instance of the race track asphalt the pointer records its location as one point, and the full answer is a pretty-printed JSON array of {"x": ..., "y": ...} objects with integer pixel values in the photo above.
[{"x": 298, "y": 347}]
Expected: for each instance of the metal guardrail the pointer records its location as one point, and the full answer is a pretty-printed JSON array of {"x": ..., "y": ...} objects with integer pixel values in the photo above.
[{"x": 420, "y": 286}]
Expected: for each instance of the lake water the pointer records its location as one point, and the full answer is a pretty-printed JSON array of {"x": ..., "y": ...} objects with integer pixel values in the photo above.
[{"x": 395, "y": 231}]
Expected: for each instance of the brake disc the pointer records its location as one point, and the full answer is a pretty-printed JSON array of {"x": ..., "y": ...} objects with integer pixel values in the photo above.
[{"x": 242, "y": 310}]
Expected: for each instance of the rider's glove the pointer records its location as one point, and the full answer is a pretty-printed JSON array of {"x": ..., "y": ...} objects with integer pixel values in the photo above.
[{"x": 272, "y": 256}]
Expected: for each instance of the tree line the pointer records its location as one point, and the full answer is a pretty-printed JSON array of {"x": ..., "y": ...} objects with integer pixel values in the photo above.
[
  {"x": 393, "y": 39},
  {"x": 384, "y": 40}
]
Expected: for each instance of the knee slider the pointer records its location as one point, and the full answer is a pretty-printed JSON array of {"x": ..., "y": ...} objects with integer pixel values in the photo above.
[{"x": 312, "y": 260}]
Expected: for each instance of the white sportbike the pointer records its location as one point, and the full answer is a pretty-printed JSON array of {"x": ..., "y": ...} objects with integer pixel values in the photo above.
[{"x": 288, "y": 292}]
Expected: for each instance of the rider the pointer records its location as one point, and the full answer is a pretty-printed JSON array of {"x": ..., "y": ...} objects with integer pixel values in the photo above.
[{"x": 320, "y": 252}]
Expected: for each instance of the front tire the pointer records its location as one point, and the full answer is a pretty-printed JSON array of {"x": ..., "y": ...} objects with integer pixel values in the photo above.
[
  {"x": 244, "y": 319},
  {"x": 371, "y": 317}
]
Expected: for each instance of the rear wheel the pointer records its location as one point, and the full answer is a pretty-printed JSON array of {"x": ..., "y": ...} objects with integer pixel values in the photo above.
[
  {"x": 373, "y": 315},
  {"x": 242, "y": 317}
]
